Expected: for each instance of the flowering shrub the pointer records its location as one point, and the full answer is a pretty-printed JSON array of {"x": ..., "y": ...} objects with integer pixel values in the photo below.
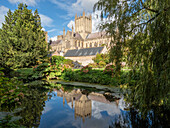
[
  {"x": 110, "y": 69},
  {"x": 65, "y": 67},
  {"x": 86, "y": 69}
]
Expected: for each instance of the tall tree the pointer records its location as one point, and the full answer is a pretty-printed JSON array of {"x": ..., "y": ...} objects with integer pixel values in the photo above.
[
  {"x": 22, "y": 41},
  {"x": 144, "y": 29}
]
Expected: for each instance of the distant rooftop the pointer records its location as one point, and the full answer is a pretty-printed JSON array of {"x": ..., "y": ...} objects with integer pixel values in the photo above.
[
  {"x": 96, "y": 35},
  {"x": 54, "y": 43},
  {"x": 83, "y": 52}
]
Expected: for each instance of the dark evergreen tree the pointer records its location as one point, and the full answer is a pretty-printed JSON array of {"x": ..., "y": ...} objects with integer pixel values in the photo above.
[{"x": 22, "y": 40}]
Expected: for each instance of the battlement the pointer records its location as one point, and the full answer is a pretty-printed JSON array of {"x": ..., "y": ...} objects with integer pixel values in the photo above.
[{"x": 83, "y": 24}]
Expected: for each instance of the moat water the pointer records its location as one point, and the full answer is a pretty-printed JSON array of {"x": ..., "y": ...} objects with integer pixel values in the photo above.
[{"x": 78, "y": 107}]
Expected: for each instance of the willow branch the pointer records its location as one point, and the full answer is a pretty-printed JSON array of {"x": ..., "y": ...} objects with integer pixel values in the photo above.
[
  {"x": 148, "y": 8},
  {"x": 145, "y": 23}
]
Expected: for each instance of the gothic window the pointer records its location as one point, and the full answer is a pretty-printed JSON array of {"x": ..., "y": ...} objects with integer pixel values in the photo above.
[
  {"x": 82, "y": 44},
  {"x": 75, "y": 44},
  {"x": 79, "y": 44},
  {"x": 86, "y": 45},
  {"x": 90, "y": 45},
  {"x": 95, "y": 44}
]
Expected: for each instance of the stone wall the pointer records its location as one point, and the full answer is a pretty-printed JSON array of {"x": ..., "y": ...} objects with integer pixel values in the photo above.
[{"x": 84, "y": 60}]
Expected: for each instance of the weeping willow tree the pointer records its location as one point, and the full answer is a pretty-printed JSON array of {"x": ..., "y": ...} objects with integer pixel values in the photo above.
[{"x": 144, "y": 31}]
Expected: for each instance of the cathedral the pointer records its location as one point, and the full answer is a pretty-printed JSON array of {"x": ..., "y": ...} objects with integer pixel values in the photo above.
[{"x": 81, "y": 45}]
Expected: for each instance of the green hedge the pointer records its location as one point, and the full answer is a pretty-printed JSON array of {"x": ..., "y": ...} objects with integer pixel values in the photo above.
[{"x": 98, "y": 76}]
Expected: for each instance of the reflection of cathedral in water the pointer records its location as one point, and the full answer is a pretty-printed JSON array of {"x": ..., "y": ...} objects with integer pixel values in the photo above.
[
  {"x": 82, "y": 104},
  {"x": 83, "y": 107}
]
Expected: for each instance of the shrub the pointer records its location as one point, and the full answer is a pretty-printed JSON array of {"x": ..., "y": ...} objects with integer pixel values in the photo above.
[
  {"x": 46, "y": 70},
  {"x": 86, "y": 69},
  {"x": 93, "y": 65},
  {"x": 110, "y": 69},
  {"x": 56, "y": 60},
  {"x": 68, "y": 74},
  {"x": 105, "y": 77},
  {"x": 101, "y": 57},
  {"x": 102, "y": 64},
  {"x": 68, "y": 62}
]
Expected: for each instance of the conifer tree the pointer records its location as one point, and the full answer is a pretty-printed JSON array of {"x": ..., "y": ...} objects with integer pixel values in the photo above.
[{"x": 22, "y": 40}]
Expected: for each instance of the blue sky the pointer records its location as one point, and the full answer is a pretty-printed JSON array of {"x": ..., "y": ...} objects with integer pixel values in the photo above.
[{"x": 55, "y": 14}]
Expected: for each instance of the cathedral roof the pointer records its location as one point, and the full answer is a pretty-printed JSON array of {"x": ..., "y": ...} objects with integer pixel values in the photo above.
[
  {"x": 77, "y": 36},
  {"x": 96, "y": 35},
  {"x": 53, "y": 43},
  {"x": 83, "y": 52}
]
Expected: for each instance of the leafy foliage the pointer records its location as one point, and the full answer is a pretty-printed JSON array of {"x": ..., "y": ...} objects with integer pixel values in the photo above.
[
  {"x": 110, "y": 69},
  {"x": 10, "y": 92},
  {"x": 101, "y": 57},
  {"x": 141, "y": 28},
  {"x": 22, "y": 41},
  {"x": 51, "y": 69},
  {"x": 105, "y": 77},
  {"x": 86, "y": 69},
  {"x": 100, "y": 61}
]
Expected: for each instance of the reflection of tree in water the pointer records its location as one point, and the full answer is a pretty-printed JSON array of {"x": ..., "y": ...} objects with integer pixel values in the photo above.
[
  {"x": 84, "y": 90},
  {"x": 132, "y": 119},
  {"x": 32, "y": 104}
]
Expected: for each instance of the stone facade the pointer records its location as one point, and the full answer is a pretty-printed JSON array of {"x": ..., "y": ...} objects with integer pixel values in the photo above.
[{"x": 81, "y": 38}]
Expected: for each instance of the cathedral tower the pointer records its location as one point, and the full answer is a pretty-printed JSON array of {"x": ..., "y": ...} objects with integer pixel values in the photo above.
[{"x": 83, "y": 25}]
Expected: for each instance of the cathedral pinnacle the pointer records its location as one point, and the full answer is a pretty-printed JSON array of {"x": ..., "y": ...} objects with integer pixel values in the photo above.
[
  {"x": 83, "y": 13},
  {"x": 76, "y": 16}
]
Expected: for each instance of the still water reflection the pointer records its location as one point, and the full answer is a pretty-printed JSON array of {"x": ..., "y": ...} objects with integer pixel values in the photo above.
[
  {"x": 75, "y": 109},
  {"x": 80, "y": 107}
]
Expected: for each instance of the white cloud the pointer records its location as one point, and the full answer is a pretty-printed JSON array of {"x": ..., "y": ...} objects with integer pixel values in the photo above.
[
  {"x": 61, "y": 32},
  {"x": 43, "y": 29},
  {"x": 70, "y": 24},
  {"x": 77, "y": 7},
  {"x": 86, "y": 5},
  {"x": 98, "y": 107},
  {"x": 28, "y": 2},
  {"x": 3, "y": 12},
  {"x": 53, "y": 38},
  {"x": 46, "y": 21},
  {"x": 52, "y": 30},
  {"x": 96, "y": 21}
]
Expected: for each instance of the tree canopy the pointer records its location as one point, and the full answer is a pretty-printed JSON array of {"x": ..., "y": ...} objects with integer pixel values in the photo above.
[
  {"x": 22, "y": 40},
  {"x": 142, "y": 28}
]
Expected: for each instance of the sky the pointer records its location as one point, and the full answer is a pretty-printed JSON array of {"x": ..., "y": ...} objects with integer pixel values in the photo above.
[{"x": 55, "y": 14}]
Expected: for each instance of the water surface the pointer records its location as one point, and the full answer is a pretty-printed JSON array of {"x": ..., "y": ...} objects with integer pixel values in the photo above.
[{"x": 68, "y": 106}]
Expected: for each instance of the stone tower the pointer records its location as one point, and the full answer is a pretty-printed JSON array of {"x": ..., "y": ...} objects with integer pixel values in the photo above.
[{"x": 83, "y": 25}]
